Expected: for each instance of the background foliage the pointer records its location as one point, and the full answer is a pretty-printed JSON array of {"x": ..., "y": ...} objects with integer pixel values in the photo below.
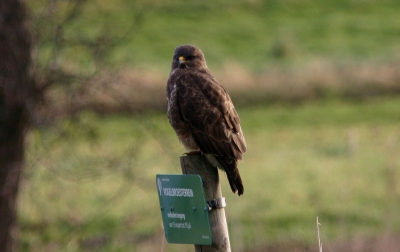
[{"x": 315, "y": 84}]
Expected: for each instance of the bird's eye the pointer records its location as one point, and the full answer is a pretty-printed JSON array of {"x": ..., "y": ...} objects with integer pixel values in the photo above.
[{"x": 190, "y": 57}]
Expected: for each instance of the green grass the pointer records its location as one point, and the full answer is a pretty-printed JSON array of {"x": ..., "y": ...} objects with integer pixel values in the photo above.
[
  {"x": 90, "y": 182},
  {"x": 256, "y": 34},
  {"x": 252, "y": 33}
]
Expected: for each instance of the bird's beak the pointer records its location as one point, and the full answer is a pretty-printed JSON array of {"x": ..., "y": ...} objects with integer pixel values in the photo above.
[{"x": 181, "y": 59}]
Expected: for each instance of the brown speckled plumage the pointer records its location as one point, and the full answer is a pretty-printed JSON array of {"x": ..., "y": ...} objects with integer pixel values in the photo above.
[{"x": 202, "y": 113}]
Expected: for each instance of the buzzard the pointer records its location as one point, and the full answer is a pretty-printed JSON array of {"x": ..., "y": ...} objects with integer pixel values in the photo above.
[{"x": 202, "y": 114}]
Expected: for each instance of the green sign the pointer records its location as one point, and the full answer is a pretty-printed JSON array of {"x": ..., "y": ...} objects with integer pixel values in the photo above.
[{"x": 184, "y": 209}]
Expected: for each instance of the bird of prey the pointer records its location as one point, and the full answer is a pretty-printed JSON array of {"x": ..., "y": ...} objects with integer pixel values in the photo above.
[{"x": 202, "y": 114}]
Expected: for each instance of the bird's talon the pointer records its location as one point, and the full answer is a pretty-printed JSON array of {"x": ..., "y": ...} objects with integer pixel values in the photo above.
[{"x": 193, "y": 153}]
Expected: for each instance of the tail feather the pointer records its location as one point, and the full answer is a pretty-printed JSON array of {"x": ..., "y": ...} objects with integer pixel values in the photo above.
[{"x": 232, "y": 172}]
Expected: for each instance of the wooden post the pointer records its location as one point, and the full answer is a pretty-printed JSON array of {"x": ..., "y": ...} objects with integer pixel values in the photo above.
[{"x": 195, "y": 164}]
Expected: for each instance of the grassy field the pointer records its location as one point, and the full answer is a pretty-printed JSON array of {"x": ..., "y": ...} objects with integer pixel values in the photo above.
[
  {"x": 261, "y": 51},
  {"x": 255, "y": 34},
  {"x": 89, "y": 183},
  {"x": 258, "y": 33}
]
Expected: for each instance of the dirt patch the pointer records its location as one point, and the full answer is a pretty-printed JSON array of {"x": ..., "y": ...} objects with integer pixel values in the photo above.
[{"x": 130, "y": 91}]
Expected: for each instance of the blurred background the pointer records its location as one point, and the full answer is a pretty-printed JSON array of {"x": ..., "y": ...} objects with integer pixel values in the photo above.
[{"x": 316, "y": 85}]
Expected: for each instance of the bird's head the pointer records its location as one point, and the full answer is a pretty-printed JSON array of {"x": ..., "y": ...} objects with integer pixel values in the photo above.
[{"x": 188, "y": 56}]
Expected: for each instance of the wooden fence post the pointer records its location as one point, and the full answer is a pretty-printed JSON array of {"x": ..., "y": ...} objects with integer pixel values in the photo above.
[{"x": 196, "y": 164}]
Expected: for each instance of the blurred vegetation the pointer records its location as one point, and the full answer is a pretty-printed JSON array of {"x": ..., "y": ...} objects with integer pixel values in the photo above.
[
  {"x": 92, "y": 184},
  {"x": 102, "y": 135},
  {"x": 253, "y": 33},
  {"x": 100, "y": 53}
]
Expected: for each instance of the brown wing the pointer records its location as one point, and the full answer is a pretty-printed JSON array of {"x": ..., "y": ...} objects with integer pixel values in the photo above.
[
  {"x": 208, "y": 109},
  {"x": 198, "y": 106},
  {"x": 202, "y": 113}
]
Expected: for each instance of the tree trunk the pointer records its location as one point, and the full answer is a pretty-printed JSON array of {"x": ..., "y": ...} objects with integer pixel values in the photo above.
[{"x": 15, "y": 89}]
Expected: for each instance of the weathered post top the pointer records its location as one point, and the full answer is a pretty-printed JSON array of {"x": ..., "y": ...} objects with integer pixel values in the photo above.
[{"x": 195, "y": 164}]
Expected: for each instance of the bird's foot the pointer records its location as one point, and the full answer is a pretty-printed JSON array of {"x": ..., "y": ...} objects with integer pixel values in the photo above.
[{"x": 192, "y": 153}]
